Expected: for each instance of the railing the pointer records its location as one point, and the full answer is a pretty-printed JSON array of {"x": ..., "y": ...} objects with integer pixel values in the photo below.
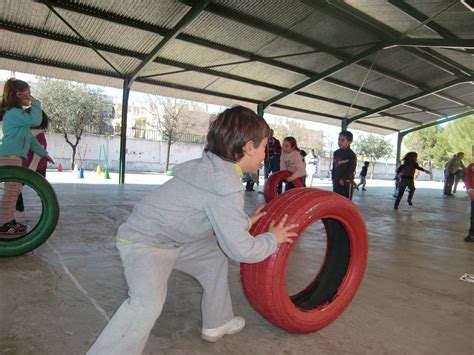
[{"x": 153, "y": 135}]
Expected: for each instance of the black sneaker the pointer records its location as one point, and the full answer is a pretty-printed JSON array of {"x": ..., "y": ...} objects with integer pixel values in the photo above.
[
  {"x": 410, "y": 203},
  {"x": 10, "y": 230},
  {"x": 22, "y": 227},
  {"x": 469, "y": 238}
]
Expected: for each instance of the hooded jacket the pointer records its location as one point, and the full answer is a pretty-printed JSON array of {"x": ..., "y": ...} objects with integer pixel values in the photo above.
[
  {"x": 17, "y": 137},
  {"x": 205, "y": 199}
]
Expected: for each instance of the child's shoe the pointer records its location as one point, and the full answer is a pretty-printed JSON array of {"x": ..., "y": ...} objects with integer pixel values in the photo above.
[
  {"x": 233, "y": 326},
  {"x": 11, "y": 229}
]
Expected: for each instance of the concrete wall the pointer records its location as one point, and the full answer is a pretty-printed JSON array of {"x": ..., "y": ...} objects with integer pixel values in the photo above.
[{"x": 142, "y": 155}]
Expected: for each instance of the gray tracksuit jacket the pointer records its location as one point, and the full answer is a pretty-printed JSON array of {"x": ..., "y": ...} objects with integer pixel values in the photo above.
[{"x": 204, "y": 199}]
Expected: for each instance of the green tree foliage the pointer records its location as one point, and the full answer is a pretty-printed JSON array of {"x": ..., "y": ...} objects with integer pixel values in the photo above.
[
  {"x": 72, "y": 108},
  {"x": 424, "y": 142},
  {"x": 372, "y": 148},
  {"x": 437, "y": 145},
  {"x": 459, "y": 136}
]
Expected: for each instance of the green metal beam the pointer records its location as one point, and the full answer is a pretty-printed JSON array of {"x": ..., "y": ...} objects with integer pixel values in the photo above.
[
  {"x": 281, "y": 32},
  {"x": 411, "y": 98},
  {"x": 358, "y": 18},
  {"x": 130, "y": 22},
  {"x": 21, "y": 29},
  {"x": 437, "y": 122},
  {"x": 422, "y": 18},
  {"x": 434, "y": 42},
  {"x": 170, "y": 36},
  {"x": 48, "y": 5},
  {"x": 324, "y": 74},
  {"x": 61, "y": 65},
  {"x": 123, "y": 131}
]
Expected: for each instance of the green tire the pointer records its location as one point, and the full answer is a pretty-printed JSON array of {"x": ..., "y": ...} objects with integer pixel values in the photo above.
[{"x": 49, "y": 215}]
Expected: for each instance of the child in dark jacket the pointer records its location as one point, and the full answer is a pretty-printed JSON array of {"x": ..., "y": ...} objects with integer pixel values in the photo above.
[
  {"x": 343, "y": 166},
  {"x": 363, "y": 176},
  {"x": 407, "y": 177}
]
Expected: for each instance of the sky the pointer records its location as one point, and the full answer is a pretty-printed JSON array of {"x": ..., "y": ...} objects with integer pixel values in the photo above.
[{"x": 329, "y": 130}]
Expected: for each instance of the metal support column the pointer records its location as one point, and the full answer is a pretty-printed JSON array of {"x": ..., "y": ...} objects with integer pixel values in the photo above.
[
  {"x": 344, "y": 124},
  {"x": 260, "y": 109},
  {"x": 399, "y": 147},
  {"x": 123, "y": 131}
]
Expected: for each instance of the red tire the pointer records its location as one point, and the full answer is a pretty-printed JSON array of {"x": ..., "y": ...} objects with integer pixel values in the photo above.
[
  {"x": 338, "y": 279},
  {"x": 270, "y": 191}
]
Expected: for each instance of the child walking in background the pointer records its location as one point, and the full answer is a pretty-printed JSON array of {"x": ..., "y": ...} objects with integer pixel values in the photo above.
[
  {"x": 407, "y": 177},
  {"x": 303, "y": 156},
  {"x": 363, "y": 176},
  {"x": 208, "y": 195},
  {"x": 17, "y": 140},
  {"x": 343, "y": 166},
  {"x": 34, "y": 161},
  {"x": 291, "y": 160}
]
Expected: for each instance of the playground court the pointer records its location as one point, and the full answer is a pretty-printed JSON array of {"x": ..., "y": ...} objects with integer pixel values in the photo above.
[{"x": 57, "y": 299}]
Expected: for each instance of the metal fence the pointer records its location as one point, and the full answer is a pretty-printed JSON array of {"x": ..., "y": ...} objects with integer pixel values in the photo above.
[{"x": 153, "y": 135}]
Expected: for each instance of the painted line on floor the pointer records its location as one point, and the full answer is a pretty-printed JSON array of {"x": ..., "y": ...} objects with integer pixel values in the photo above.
[{"x": 78, "y": 285}]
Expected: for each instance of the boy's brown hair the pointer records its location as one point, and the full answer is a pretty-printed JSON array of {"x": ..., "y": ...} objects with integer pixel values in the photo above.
[
  {"x": 232, "y": 129},
  {"x": 9, "y": 98}
]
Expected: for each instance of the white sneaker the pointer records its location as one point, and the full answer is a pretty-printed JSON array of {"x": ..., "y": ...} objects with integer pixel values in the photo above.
[{"x": 233, "y": 326}]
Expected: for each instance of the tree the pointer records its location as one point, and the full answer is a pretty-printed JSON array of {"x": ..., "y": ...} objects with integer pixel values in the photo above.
[
  {"x": 437, "y": 144},
  {"x": 424, "y": 142},
  {"x": 305, "y": 138},
  {"x": 459, "y": 137},
  {"x": 72, "y": 107},
  {"x": 373, "y": 147},
  {"x": 170, "y": 120}
]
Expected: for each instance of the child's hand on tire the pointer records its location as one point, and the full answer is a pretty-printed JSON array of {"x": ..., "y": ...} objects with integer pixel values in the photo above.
[{"x": 281, "y": 232}]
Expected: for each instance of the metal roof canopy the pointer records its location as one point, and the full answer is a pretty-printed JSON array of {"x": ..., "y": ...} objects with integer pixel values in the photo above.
[{"x": 378, "y": 66}]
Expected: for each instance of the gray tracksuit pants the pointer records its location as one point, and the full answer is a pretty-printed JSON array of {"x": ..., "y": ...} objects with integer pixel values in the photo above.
[{"x": 147, "y": 270}]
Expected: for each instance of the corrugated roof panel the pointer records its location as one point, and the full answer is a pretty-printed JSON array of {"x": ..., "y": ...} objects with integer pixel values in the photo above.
[
  {"x": 317, "y": 105},
  {"x": 193, "y": 79},
  {"x": 240, "y": 89},
  {"x": 286, "y": 14},
  {"x": 24, "y": 11},
  {"x": 51, "y": 51},
  {"x": 159, "y": 69},
  {"x": 165, "y": 13},
  {"x": 391, "y": 16},
  {"x": 97, "y": 30},
  {"x": 195, "y": 54},
  {"x": 464, "y": 92},
  {"x": 52, "y": 72},
  {"x": 263, "y": 73},
  {"x": 375, "y": 82},
  {"x": 315, "y": 62},
  {"x": 383, "y": 121},
  {"x": 327, "y": 89},
  {"x": 463, "y": 58},
  {"x": 319, "y": 26},
  {"x": 456, "y": 19},
  {"x": 225, "y": 31}
]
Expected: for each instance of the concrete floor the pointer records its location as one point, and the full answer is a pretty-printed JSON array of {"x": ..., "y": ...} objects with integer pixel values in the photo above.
[{"x": 57, "y": 299}]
